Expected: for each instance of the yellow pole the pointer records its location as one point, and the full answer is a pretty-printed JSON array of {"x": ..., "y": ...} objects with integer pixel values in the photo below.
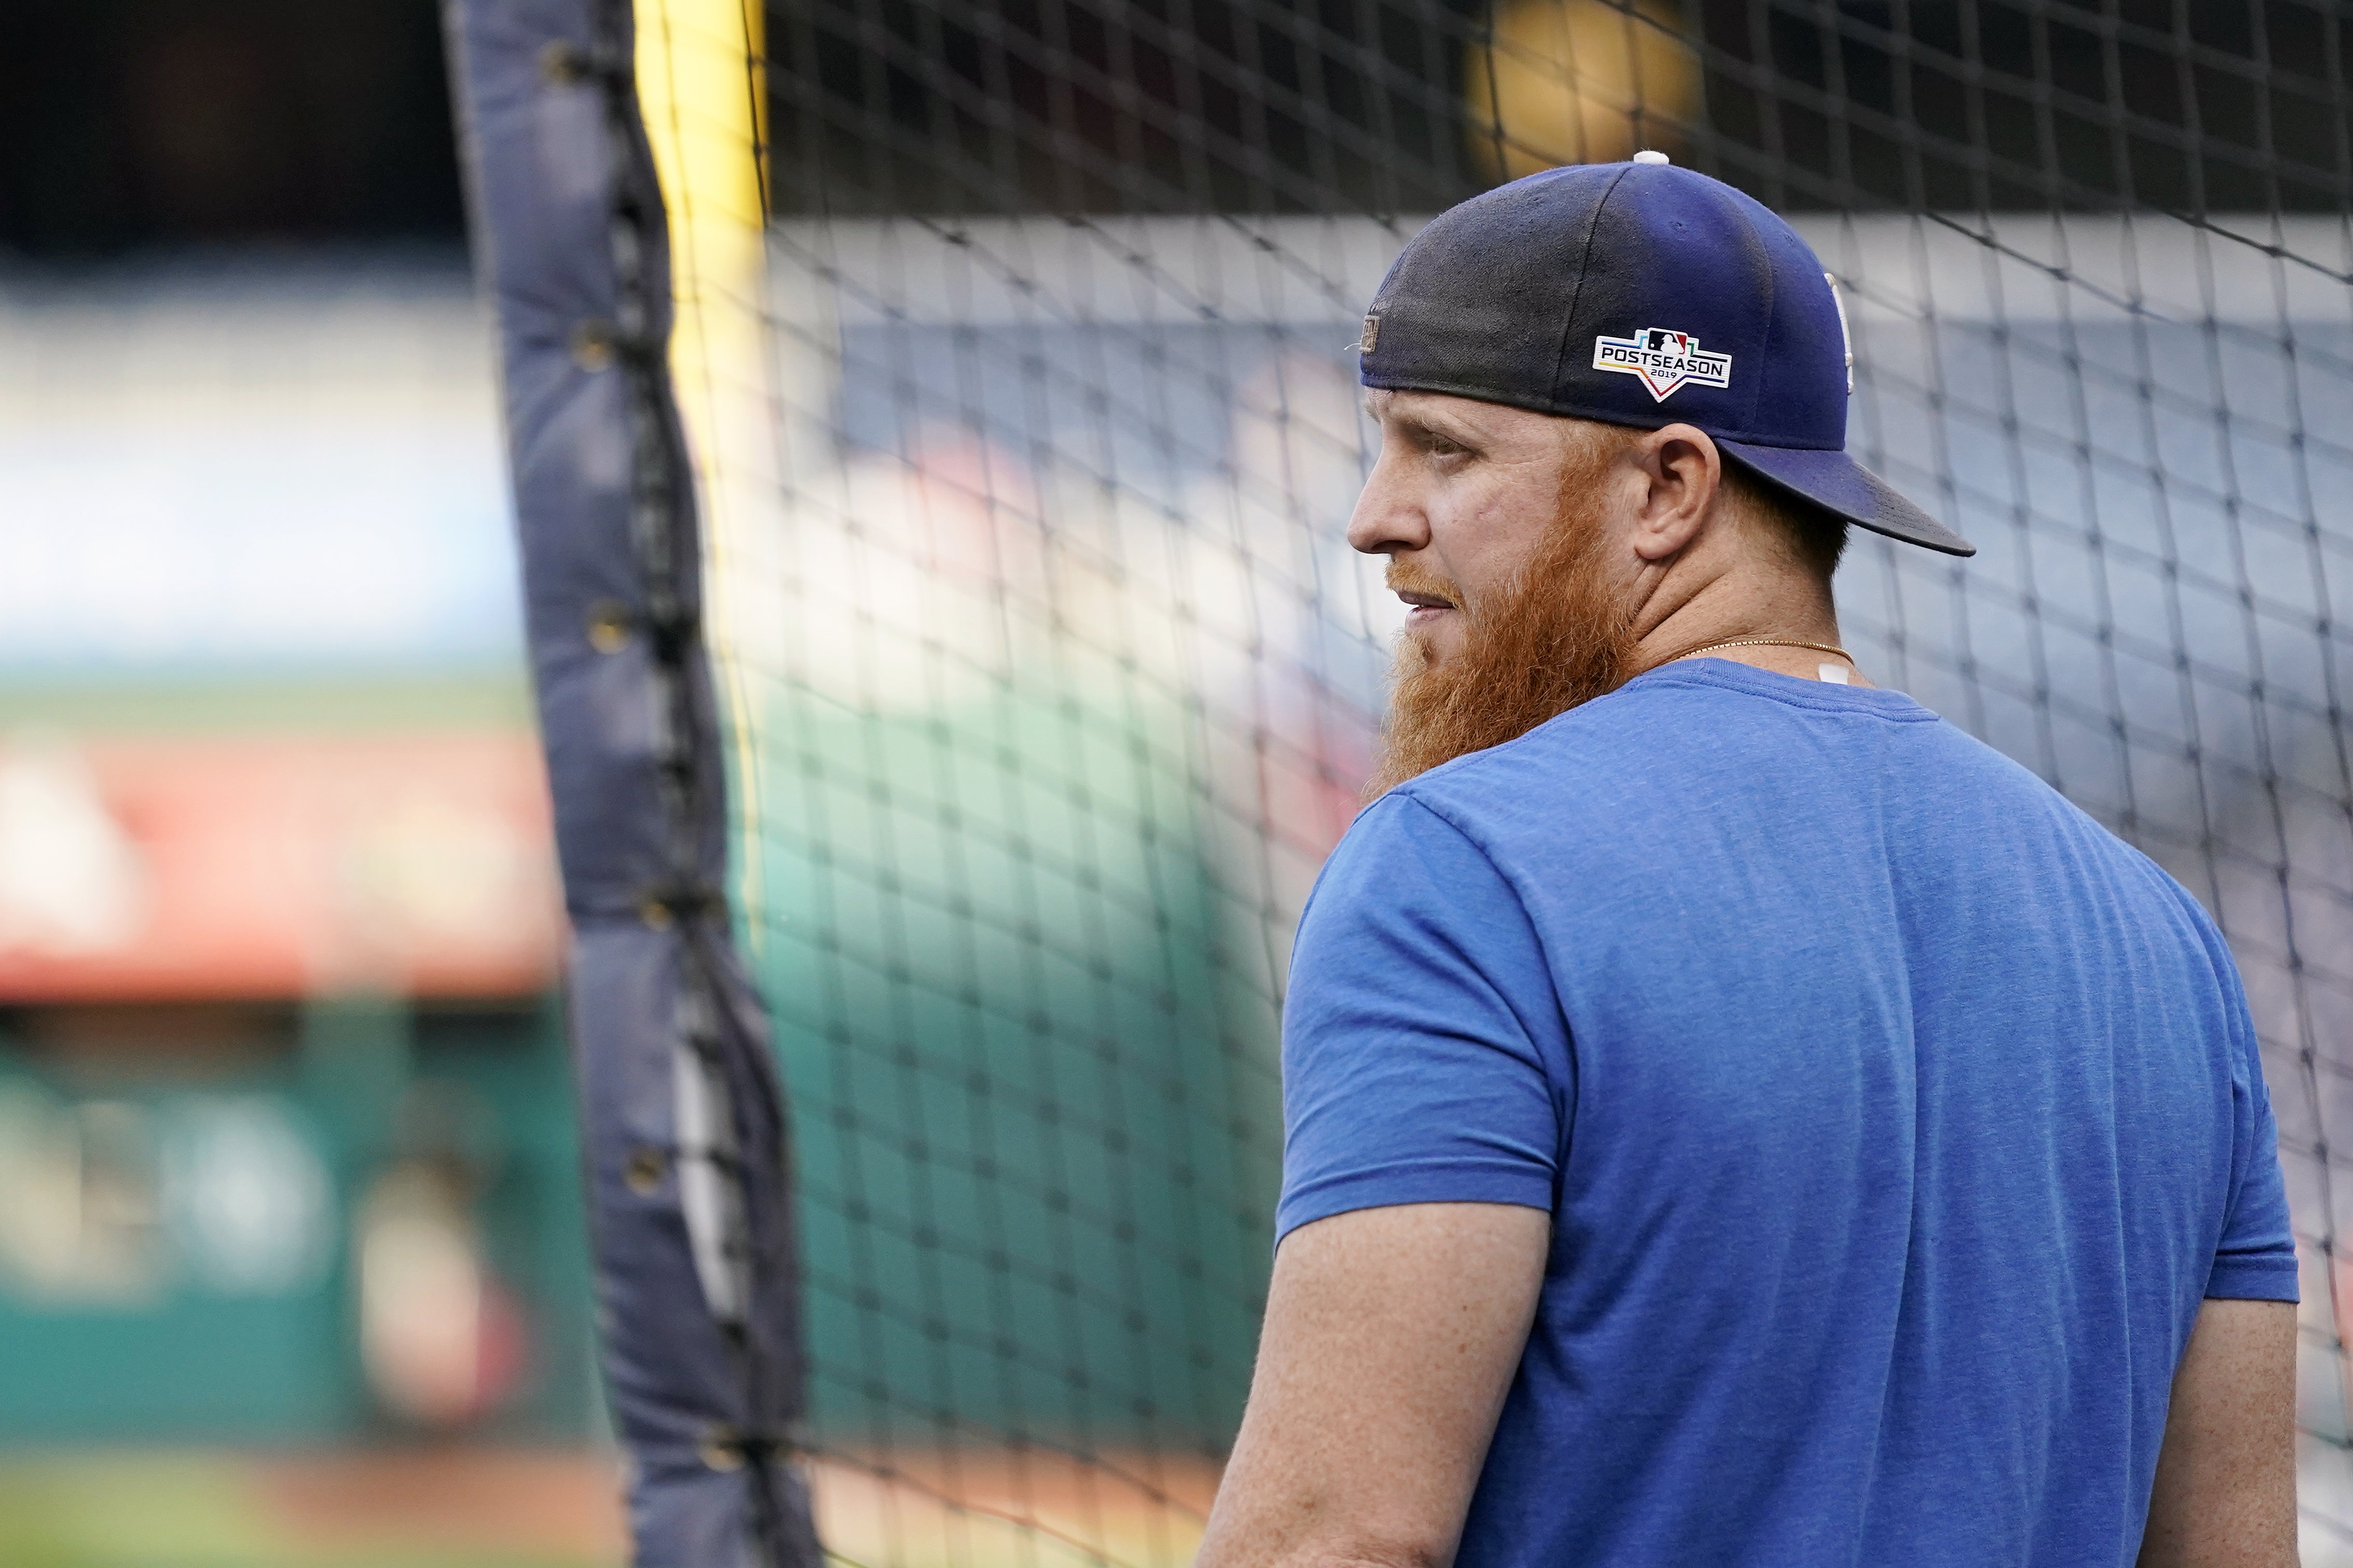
[{"x": 701, "y": 92}]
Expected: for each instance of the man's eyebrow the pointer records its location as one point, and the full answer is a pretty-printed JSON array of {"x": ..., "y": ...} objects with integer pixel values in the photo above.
[
  {"x": 1414, "y": 420},
  {"x": 1438, "y": 424}
]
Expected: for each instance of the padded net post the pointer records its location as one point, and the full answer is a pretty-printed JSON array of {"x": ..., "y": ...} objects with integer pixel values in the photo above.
[{"x": 684, "y": 1131}]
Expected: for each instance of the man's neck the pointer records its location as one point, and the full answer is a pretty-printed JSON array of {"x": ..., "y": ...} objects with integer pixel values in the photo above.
[{"x": 1764, "y": 619}]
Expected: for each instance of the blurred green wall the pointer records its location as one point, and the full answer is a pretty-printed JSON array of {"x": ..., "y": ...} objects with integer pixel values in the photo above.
[
  {"x": 1034, "y": 1102},
  {"x": 211, "y": 1197}
]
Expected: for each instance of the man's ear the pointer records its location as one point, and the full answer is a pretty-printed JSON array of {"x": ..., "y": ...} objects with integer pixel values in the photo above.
[{"x": 1681, "y": 473}]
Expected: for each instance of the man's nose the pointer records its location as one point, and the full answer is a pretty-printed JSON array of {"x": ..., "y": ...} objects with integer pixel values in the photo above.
[{"x": 1388, "y": 518}]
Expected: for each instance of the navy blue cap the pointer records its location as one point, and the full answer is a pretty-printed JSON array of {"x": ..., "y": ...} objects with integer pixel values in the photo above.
[{"x": 1640, "y": 294}]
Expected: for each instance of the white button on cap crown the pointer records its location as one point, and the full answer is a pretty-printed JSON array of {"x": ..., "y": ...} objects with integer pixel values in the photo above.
[{"x": 1647, "y": 156}]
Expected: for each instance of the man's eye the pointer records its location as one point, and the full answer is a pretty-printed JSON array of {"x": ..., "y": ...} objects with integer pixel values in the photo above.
[{"x": 1439, "y": 446}]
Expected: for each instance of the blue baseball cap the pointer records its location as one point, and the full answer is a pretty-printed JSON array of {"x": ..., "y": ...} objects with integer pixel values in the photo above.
[{"x": 1640, "y": 294}]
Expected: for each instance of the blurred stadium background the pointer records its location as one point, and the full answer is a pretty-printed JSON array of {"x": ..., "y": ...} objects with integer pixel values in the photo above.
[
  {"x": 1025, "y": 431},
  {"x": 292, "y": 1265}
]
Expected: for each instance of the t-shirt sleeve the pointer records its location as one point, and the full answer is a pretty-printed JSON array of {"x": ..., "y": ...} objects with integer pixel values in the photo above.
[
  {"x": 1423, "y": 1056},
  {"x": 2255, "y": 1260}
]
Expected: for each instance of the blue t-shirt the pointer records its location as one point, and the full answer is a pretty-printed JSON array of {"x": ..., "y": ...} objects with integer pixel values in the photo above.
[{"x": 1893, "y": 1119}]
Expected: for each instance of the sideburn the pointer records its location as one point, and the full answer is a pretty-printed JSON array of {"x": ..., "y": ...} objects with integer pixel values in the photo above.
[{"x": 1551, "y": 640}]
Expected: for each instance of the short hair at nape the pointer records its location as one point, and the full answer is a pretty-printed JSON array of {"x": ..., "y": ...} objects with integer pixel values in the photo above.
[{"x": 1814, "y": 535}]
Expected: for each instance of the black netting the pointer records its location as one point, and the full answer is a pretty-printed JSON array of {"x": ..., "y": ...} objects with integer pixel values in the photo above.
[{"x": 1031, "y": 431}]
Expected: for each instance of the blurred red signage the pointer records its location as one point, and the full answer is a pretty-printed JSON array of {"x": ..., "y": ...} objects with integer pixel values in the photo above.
[{"x": 181, "y": 869}]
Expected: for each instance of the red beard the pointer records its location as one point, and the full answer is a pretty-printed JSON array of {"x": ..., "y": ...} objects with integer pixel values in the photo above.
[{"x": 1552, "y": 638}]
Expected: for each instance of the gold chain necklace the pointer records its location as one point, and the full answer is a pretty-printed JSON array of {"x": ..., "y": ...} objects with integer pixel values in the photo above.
[{"x": 1759, "y": 642}]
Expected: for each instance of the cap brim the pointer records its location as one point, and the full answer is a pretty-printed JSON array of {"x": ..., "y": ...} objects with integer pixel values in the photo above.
[{"x": 1836, "y": 482}]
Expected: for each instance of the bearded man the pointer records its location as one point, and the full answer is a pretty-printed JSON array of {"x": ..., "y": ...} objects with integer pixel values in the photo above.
[{"x": 1733, "y": 1116}]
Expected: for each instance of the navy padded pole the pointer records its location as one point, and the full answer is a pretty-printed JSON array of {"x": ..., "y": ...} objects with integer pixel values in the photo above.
[{"x": 684, "y": 1131}]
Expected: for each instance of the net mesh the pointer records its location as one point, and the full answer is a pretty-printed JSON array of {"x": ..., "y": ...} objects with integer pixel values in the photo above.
[{"x": 1014, "y": 339}]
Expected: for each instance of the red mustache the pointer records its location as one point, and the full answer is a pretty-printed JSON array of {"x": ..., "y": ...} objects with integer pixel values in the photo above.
[{"x": 1411, "y": 577}]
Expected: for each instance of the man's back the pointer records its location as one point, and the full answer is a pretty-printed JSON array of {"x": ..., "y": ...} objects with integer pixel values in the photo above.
[{"x": 1893, "y": 1118}]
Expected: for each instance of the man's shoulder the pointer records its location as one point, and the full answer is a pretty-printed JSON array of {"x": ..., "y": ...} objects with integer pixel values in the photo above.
[
  {"x": 1612, "y": 755},
  {"x": 1668, "y": 764}
]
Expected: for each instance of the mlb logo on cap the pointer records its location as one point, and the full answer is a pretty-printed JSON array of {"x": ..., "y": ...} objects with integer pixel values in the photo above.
[
  {"x": 1640, "y": 294},
  {"x": 1663, "y": 360}
]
